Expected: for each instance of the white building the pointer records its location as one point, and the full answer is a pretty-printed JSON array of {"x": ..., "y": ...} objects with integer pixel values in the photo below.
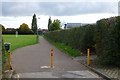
[{"x": 73, "y": 25}]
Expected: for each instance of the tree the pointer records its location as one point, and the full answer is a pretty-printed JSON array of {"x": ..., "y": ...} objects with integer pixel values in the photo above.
[
  {"x": 24, "y": 29},
  {"x": 34, "y": 24},
  {"x": 3, "y": 28},
  {"x": 49, "y": 23},
  {"x": 55, "y": 25}
]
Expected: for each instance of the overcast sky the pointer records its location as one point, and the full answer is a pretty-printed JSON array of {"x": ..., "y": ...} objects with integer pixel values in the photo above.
[{"x": 13, "y": 13}]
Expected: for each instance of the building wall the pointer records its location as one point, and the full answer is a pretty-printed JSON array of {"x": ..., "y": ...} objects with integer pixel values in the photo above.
[{"x": 73, "y": 25}]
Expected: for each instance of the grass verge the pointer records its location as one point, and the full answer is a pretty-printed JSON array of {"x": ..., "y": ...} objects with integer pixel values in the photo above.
[
  {"x": 64, "y": 48},
  {"x": 20, "y": 41},
  {"x": 17, "y": 42}
]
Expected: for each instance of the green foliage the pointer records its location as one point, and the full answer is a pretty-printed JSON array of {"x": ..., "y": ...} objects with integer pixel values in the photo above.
[
  {"x": 3, "y": 28},
  {"x": 116, "y": 37},
  {"x": 34, "y": 24},
  {"x": 64, "y": 48},
  {"x": 24, "y": 29},
  {"x": 87, "y": 39},
  {"x": 106, "y": 42},
  {"x": 116, "y": 34},
  {"x": 4, "y": 55},
  {"x": 55, "y": 25},
  {"x": 20, "y": 41},
  {"x": 49, "y": 23},
  {"x": 102, "y": 38},
  {"x": 101, "y": 35},
  {"x": 78, "y": 38}
]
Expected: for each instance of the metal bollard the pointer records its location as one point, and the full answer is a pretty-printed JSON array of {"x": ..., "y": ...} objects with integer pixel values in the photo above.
[
  {"x": 9, "y": 64},
  {"x": 51, "y": 58},
  {"x": 88, "y": 57}
]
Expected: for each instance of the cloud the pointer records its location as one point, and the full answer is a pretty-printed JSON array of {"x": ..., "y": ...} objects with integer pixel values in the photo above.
[
  {"x": 0, "y": 8},
  {"x": 57, "y": 8},
  {"x": 18, "y": 9},
  {"x": 15, "y": 22},
  {"x": 60, "y": 1}
]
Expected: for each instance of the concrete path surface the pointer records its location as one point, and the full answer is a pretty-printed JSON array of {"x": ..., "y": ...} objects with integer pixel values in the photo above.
[{"x": 31, "y": 62}]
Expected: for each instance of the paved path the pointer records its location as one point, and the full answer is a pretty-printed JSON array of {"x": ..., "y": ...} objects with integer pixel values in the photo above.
[
  {"x": 27, "y": 62},
  {"x": 110, "y": 72}
]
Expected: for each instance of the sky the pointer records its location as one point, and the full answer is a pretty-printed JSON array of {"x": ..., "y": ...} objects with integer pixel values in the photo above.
[{"x": 14, "y": 13}]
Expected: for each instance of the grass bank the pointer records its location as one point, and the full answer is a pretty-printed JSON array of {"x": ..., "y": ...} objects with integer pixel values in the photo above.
[
  {"x": 64, "y": 48},
  {"x": 20, "y": 41}
]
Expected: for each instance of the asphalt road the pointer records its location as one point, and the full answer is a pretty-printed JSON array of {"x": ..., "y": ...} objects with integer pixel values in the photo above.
[{"x": 33, "y": 61}]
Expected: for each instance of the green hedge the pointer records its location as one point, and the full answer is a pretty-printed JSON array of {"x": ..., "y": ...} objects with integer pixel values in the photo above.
[
  {"x": 102, "y": 38},
  {"x": 108, "y": 41},
  {"x": 79, "y": 38}
]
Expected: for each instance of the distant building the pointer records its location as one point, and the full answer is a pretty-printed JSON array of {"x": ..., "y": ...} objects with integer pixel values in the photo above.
[
  {"x": 73, "y": 25},
  {"x": 42, "y": 31},
  {"x": 10, "y": 31},
  {"x": 39, "y": 31}
]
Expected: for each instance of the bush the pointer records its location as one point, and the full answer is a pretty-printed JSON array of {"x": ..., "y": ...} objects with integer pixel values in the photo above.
[
  {"x": 106, "y": 42},
  {"x": 79, "y": 38},
  {"x": 102, "y": 38}
]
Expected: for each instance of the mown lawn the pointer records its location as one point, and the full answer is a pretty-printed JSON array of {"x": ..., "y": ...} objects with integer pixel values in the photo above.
[{"x": 20, "y": 41}]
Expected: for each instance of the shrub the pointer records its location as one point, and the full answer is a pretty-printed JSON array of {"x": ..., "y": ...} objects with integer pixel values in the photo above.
[
  {"x": 102, "y": 38},
  {"x": 107, "y": 41},
  {"x": 79, "y": 38}
]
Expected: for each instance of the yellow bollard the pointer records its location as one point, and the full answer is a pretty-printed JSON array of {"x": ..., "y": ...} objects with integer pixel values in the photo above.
[
  {"x": 9, "y": 66},
  {"x": 51, "y": 58},
  {"x": 88, "y": 57}
]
